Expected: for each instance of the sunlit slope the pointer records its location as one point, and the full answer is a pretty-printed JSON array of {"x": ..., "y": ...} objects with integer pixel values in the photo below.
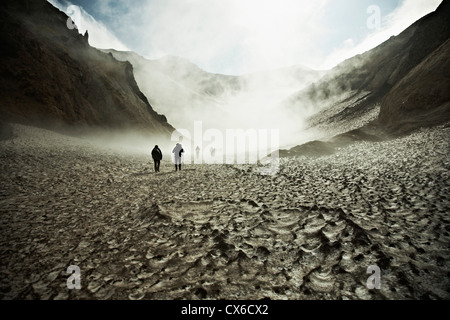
[{"x": 391, "y": 90}]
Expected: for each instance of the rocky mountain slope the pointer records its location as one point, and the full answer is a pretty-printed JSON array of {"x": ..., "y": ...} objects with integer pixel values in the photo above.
[
  {"x": 178, "y": 88},
  {"x": 393, "y": 89},
  {"x": 423, "y": 95},
  {"x": 51, "y": 77}
]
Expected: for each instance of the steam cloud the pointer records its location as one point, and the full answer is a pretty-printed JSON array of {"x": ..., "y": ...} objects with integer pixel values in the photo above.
[{"x": 236, "y": 37}]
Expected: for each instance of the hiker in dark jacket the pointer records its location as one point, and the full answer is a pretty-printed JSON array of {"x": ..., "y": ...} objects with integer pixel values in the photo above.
[{"x": 157, "y": 157}]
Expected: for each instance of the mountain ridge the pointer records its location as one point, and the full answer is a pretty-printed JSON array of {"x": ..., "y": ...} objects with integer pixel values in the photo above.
[
  {"x": 391, "y": 77},
  {"x": 186, "y": 93},
  {"x": 51, "y": 77}
]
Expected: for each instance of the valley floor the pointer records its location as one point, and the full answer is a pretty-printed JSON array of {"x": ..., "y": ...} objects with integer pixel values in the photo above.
[{"x": 224, "y": 231}]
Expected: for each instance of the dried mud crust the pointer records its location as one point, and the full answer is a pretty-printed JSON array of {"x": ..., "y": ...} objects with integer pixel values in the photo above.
[{"x": 224, "y": 231}]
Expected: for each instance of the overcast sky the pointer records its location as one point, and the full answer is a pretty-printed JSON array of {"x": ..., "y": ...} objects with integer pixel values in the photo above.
[{"x": 242, "y": 36}]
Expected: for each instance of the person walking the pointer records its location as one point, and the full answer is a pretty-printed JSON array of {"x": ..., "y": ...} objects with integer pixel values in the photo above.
[
  {"x": 197, "y": 152},
  {"x": 177, "y": 151},
  {"x": 157, "y": 157}
]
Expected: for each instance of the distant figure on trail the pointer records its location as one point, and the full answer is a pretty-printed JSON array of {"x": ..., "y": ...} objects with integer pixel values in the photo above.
[
  {"x": 177, "y": 151},
  {"x": 157, "y": 157},
  {"x": 197, "y": 152},
  {"x": 213, "y": 152}
]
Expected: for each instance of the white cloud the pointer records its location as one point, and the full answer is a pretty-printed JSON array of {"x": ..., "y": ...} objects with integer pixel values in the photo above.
[
  {"x": 234, "y": 36},
  {"x": 99, "y": 35},
  {"x": 393, "y": 24}
]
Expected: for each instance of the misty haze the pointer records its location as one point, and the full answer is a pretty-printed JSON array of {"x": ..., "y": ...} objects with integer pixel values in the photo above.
[{"x": 224, "y": 150}]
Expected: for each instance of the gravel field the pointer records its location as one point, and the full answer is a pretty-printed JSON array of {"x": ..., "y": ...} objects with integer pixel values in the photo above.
[{"x": 224, "y": 231}]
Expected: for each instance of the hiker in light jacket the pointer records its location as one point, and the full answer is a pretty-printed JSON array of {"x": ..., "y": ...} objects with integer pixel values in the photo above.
[{"x": 177, "y": 151}]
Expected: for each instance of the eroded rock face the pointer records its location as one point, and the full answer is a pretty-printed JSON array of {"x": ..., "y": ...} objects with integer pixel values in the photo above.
[
  {"x": 406, "y": 78},
  {"x": 392, "y": 90},
  {"x": 422, "y": 97},
  {"x": 51, "y": 77},
  {"x": 224, "y": 231}
]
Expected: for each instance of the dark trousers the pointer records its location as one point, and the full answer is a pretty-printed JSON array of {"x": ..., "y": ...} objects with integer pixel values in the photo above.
[
  {"x": 157, "y": 163},
  {"x": 177, "y": 163}
]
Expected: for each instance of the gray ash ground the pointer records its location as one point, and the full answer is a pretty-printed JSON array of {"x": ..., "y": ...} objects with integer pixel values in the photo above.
[{"x": 224, "y": 231}]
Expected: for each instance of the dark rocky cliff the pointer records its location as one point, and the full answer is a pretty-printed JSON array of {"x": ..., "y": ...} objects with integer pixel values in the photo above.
[{"x": 51, "y": 77}]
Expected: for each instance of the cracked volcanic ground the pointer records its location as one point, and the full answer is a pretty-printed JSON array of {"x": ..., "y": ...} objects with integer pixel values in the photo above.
[{"x": 224, "y": 231}]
